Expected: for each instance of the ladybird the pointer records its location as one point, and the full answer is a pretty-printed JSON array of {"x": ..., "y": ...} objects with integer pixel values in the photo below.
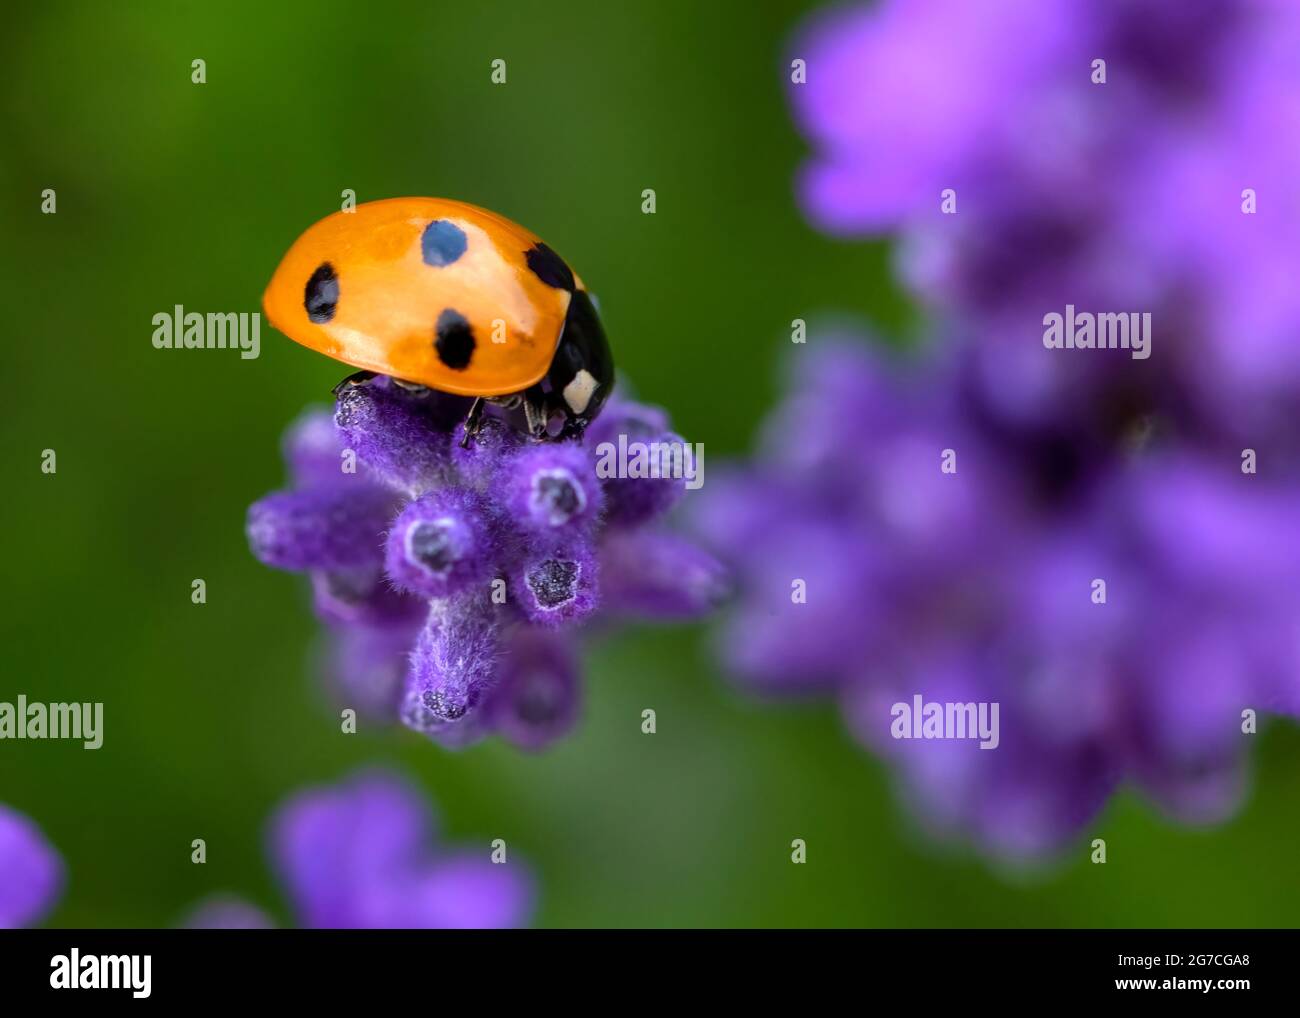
[{"x": 440, "y": 294}]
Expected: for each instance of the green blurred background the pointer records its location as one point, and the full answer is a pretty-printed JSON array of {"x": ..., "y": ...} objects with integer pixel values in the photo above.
[{"x": 176, "y": 193}]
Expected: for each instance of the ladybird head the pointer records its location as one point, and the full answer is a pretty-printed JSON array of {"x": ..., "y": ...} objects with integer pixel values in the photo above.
[{"x": 581, "y": 375}]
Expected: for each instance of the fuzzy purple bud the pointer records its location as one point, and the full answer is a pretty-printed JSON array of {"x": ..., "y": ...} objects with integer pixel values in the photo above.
[
  {"x": 631, "y": 445},
  {"x": 463, "y": 891},
  {"x": 441, "y": 544},
  {"x": 394, "y": 433},
  {"x": 314, "y": 453},
  {"x": 452, "y": 668},
  {"x": 31, "y": 873},
  {"x": 362, "y": 854},
  {"x": 361, "y": 596},
  {"x": 552, "y": 491},
  {"x": 622, "y": 416},
  {"x": 660, "y": 576},
  {"x": 368, "y": 666},
  {"x": 319, "y": 528},
  {"x": 557, "y": 587},
  {"x": 538, "y": 698},
  {"x": 478, "y": 461}
]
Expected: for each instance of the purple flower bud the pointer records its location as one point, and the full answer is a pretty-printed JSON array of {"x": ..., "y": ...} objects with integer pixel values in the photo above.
[
  {"x": 463, "y": 891},
  {"x": 557, "y": 587},
  {"x": 478, "y": 462},
  {"x": 362, "y": 854},
  {"x": 368, "y": 665},
  {"x": 334, "y": 845},
  {"x": 628, "y": 442},
  {"x": 362, "y": 596},
  {"x": 441, "y": 543},
  {"x": 394, "y": 433},
  {"x": 319, "y": 528},
  {"x": 551, "y": 491},
  {"x": 313, "y": 451},
  {"x": 452, "y": 668},
  {"x": 31, "y": 873},
  {"x": 660, "y": 575},
  {"x": 538, "y": 698},
  {"x": 622, "y": 416}
]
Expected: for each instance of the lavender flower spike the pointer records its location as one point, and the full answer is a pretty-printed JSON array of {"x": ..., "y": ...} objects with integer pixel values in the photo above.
[
  {"x": 869, "y": 574},
  {"x": 445, "y": 570},
  {"x": 1169, "y": 164},
  {"x": 31, "y": 873},
  {"x": 1108, "y": 564}
]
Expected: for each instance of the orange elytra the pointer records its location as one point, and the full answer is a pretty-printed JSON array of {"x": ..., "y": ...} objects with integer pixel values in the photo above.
[{"x": 451, "y": 296}]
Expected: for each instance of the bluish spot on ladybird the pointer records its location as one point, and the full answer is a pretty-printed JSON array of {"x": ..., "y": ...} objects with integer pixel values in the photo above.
[
  {"x": 321, "y": 295},
  {"x": 442, "y": 243}
]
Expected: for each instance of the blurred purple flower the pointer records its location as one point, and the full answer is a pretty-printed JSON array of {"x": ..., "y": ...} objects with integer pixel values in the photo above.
[
  {"x": 362, "y": 854},
  {"x": 438, "y": 566},
  {"x": 226, "y": 912},
  {"x": 977, "y": 585},
  {"x": 31, "y": 873},
  {"x": 1127, "y": 195},
  {"x": 1018, "y": 182}
]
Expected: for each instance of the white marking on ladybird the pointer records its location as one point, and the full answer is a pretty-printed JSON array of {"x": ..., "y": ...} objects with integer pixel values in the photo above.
[{"x": 578, "y": 392}]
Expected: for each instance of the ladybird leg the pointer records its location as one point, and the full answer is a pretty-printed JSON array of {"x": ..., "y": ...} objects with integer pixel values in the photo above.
[
  {"x": 535, "y": 416},
  {"x": 357, "y": 378},
  {"x": 473, "y": 422}
]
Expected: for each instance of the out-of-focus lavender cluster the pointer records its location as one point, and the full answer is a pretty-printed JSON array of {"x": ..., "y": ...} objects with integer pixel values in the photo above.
[
  {"x": 362, "y": 855},
  {"x": 979, "y": 586},
  {"x": 454, "y": 575},
  {"x": 31, "y": 873},
  {"x": 1101, "y": 153},
  {"x": 950, "y": 514}
]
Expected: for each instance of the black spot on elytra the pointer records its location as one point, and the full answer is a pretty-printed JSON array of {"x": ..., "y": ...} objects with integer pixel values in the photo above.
[
  {"x": 549, "y": 267},
  {"x": 455, "y": 340},
  {"x": 321, "y": 296}
]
